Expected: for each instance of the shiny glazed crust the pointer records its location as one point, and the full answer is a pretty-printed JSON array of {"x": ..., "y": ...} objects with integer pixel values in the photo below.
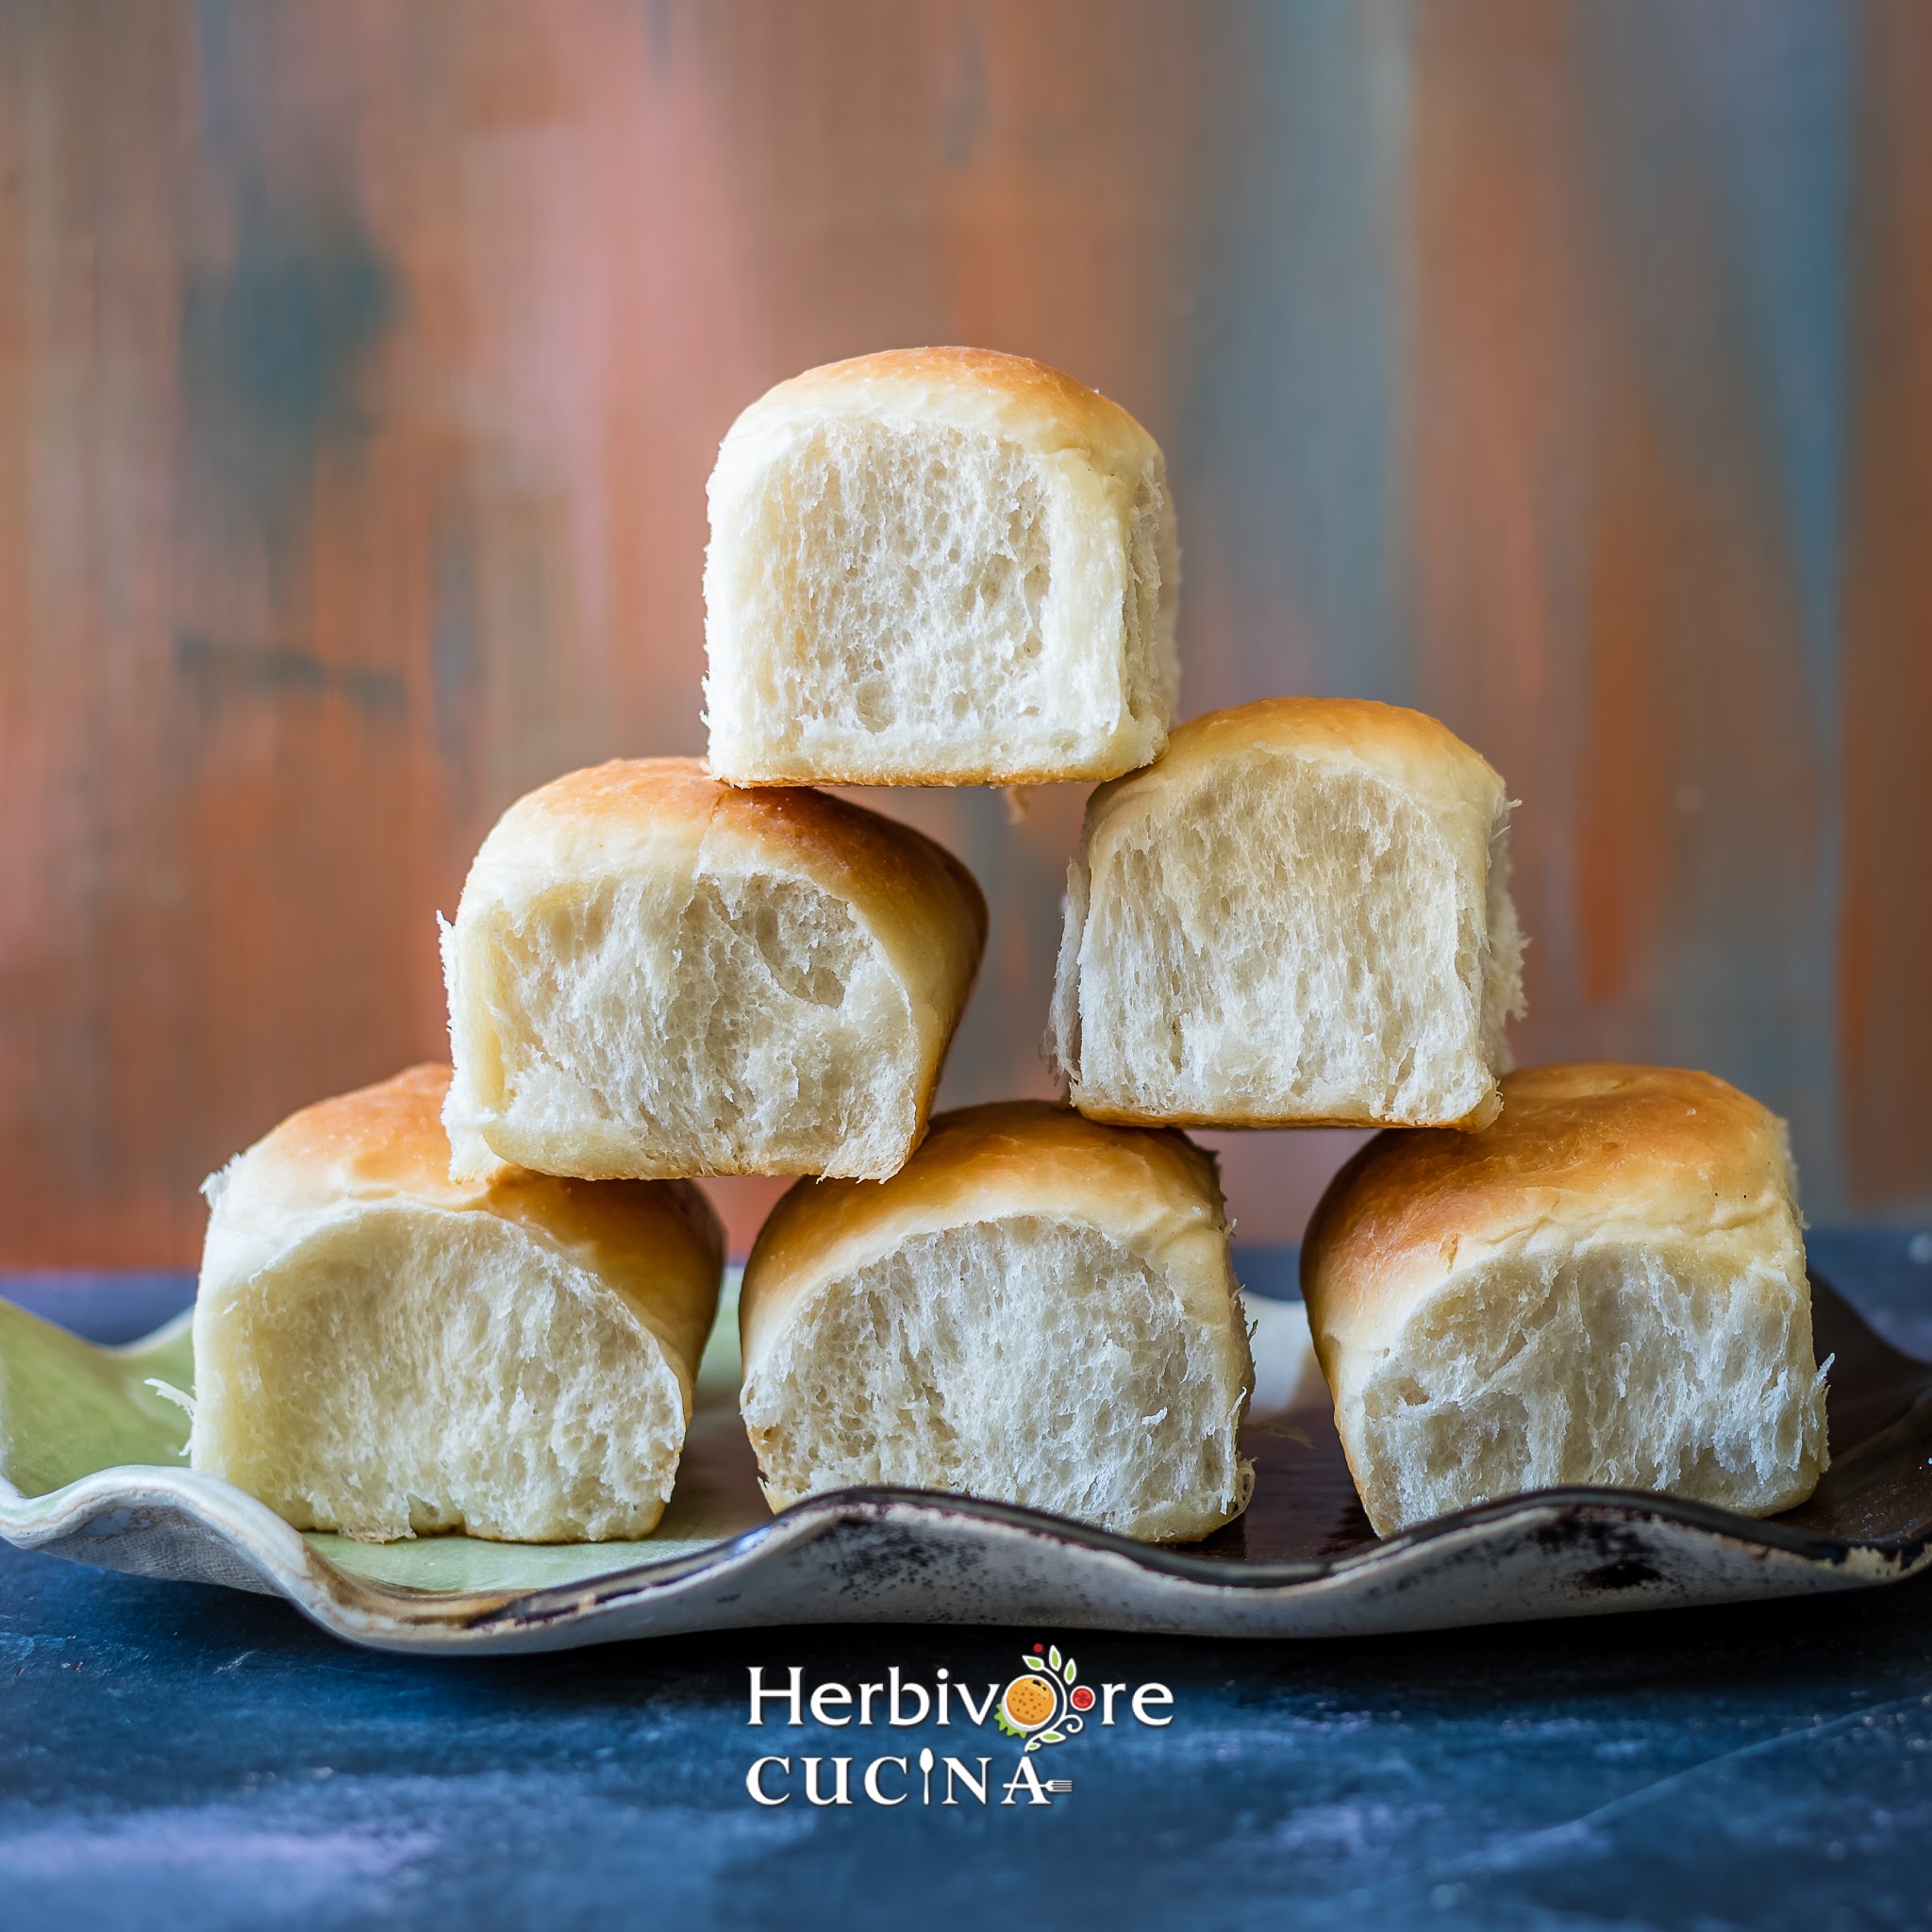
[{"x": 1578, "y": 1152}]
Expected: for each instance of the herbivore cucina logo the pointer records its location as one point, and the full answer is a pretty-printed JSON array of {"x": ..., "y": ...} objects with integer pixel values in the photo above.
[{"x": 1046, "y": 1704}]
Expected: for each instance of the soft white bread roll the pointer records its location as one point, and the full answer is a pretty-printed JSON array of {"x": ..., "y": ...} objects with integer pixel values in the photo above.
[
  {"x": 937, "y": 567},
  {"x": 1607, "y": 1286},
  {"x": 652, "y": 974},
  {"x": 1299, "y": 916},
  {"x": 382, "y": 1352},
  {"x": 1034, "y": 1309}
]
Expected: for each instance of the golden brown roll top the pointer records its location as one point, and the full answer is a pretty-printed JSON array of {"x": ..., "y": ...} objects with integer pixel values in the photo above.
[
  {"x": 1298, "y": 915},
  {"x": 1606, "y": 1285},
  {"x": 383, "y": 1351},
  {"x": 937, "y": 567},
  {"x": 972, "y": 391},
  {"x": 653, "y": 974},
  {"x": 1576, "y": 1151},
  {"x": 1037, "y": 1310},
  {"x": 1155, "y": 1192}
]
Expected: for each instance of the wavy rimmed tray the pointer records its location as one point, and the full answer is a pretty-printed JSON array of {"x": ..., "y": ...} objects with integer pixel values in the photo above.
[{"x": 89, "y": 1454}]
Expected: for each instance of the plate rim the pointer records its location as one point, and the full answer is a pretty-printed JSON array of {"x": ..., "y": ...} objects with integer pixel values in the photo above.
[
  {"x": 371, "y": 1609},
  {"x": 282, "y": 1554}
]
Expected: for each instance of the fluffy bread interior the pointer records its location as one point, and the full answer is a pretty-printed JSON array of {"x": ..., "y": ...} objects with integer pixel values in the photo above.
[
  {"x": 926, "y": 600},
  {"x": 1024, "y": 1360},
  {"x": 404, "y": 1370},
  {"x": 663, "y": 1024},
  {"x": 1289, "y": 941},
  {"x": 1617, "y": 1363}
]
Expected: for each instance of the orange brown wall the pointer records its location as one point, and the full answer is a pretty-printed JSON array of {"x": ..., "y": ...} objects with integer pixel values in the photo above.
[{"x": 1564, "y": 369}]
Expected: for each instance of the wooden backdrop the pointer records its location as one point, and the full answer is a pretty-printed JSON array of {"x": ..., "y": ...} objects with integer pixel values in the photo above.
[{"x": 1564, "y": 369}]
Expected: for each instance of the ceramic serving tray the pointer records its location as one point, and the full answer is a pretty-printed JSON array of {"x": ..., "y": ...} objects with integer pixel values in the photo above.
[{"x": 91, "y": 1468}]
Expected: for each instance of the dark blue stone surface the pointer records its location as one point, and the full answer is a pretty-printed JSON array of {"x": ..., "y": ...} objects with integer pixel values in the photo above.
[{"x": 173, "y": 1756}]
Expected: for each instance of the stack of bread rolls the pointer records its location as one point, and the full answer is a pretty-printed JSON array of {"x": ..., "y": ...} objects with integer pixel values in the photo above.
[{"x": 475, "y": 1297}]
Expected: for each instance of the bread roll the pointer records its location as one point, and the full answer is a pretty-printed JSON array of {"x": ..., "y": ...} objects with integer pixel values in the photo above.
[
  {"x": 382, "y": 1352},
  {"x": 1607, "y": 1286},
  {"x": 1299, "y": 917},
  {"x": 1034, "y": 1310},
  {"x": 652, "y": 975},
  {"x": 937, "y": 567}
]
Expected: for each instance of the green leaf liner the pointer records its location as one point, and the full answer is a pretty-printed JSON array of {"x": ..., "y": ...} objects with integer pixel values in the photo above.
[{"x": 68, "y": 1408}]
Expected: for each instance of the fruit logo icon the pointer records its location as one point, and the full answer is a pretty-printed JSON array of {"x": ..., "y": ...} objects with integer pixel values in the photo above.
[
  {"x": 1045, "y": 1705},
  {"x": 1029, "y": 1704}
]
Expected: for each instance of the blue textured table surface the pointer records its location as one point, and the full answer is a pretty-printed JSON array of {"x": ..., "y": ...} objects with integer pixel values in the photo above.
[{"x": 174, "y": 1755}]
